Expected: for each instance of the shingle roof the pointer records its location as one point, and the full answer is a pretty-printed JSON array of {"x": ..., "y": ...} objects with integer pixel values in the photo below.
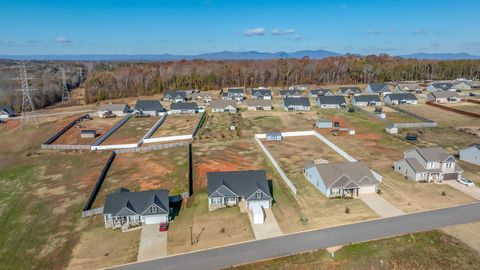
[
  {"x": 445, "y": 94},
  {"x": 220, "y": 103},
  {"x": 235, "y": 90},
  {"x": 262, "y": 92},
  {"x": 337, "y": 100},
  {"x": 338, "y": 175},
  {"x": 409, "y": 86},
  {"x": 367, "y": 98},
  {"x": 202, "y": 95},
  {"x": 242, "y": 183},
  {"x": 148, "y": 105},
  {"x": 137, "y": 202},
  {"x": 7, "y": 110},
  {"x": 434, "y": 154},
  {"x": 290, "y": 93},
  {"x": 301, "y": 101},
  {"x": 114, "y": 107},
  {"x": 175, "y": 94},
  {"x": 401, "y": 96},
  {"x": 379, "y": 87},
  {"x": 344, "y": 89},
  {"x": 184, "y": 106},
  {"x": 442, "y": 86},
  {"x": 319, "y": 92},
  {"x": 259, "y": 103}
]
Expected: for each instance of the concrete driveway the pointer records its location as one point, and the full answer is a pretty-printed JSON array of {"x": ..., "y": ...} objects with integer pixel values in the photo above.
[
  {"x": 268, "y": 229},
  {"x": 153, "y": 243},
  {"x": 380, "y": 206},
  {"x": 473, "y": 192}
]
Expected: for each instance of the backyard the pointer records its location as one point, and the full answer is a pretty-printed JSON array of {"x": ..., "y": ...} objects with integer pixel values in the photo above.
[
  {"x": 177, "y": 125},
  {"x": 100, "y": 125},
  {"x": 132, "y": 131}
]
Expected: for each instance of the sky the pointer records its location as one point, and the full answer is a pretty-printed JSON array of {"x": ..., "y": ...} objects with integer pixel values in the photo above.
[{"x": 202, "y": 26}]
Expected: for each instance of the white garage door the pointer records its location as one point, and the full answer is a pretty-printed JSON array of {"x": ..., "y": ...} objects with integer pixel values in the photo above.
[
  {"x": 263, "y": 203},
  {"x": 367, "y": 189},
  {"x": 156, "y": 219}
]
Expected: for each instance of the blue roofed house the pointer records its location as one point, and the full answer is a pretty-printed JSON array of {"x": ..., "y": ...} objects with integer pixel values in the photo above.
[
  {"x": 440, "y": 86},
  {"x": 290, "y": 94},
  {"x": 397, "y": 99},
  {"x": 6, "y": 112},
  {"x": 296, "y": 104},
  {"x": 183, "y": 108},
  {"x": 175, "y": 96},
  {"x": 233, "y": 94},
  {"x": 148, "y": 107},
  {"x": 320, "y": 92},
  {"x": 124, "y": 209},
  {"x": 349, "y": 91},
  {"x": 331, "y": 102},
  {"x": 261, "y": 94},
  {"x": 380, "y": 89},
  {"x": 366, "y": 100}
]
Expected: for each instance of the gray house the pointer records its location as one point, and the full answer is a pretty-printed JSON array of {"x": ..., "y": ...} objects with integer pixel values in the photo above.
[
  {"x": 290, "y": 94},
  {"x": 442, "y": 86},
  {"x": 331, "y": 102},
  {"x": 261, "y": 94},
  {"x": 259, "y": 105},
  {"x": 175, "y": 96},
  {"x": 183, "y": 108},
  {"x": 467, "y": 85},
  {"x": 220, "y": 105},
  {"x": 233, "y": 94},
  {"x": 148, "y": 107},
  {"x": 112, "y": 110},
  {"x": 428, "y": 164},
  {"x": 349, "y": 91},
  {"x": 202, "y": 97},
  {"x": 366, "y": 100},
  {"x": 444, "y": 97},
  {"x": 320, "y": 92},
  {"x": 341, "y": 179},
  {"x": 296, "y": 104},
  {"x": 6, "y": 111},
  {"x": 230, "y": 188},
  {"x": 397, "y": 99},
  {"x": 407, "y": 87},
  {"x": 380, "y": 89},
  {"x": 124, "y": 209},
  {"x": 471, "y": 154}
]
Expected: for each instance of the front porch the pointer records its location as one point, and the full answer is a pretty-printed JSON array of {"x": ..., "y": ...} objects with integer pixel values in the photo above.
[{"x": 221, "y": 202}]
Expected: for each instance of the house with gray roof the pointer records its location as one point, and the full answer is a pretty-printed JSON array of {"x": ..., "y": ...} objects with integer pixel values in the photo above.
[
  {"x": 467, "y": 85},
  {"x": 148, "y": 107},
  {"x": 300, "y": 87},
  {"x": 113, "y": 110},
  {"x": 380, "y": 89},
  {"x": 183, "y": 108},
  {"x": 220, "y": 105},
  {"x": 444, "y": 97},
  {"x": 407, "y": 87},
  {"x": 290, "y": 94},
  {"x": 320, "y": 92},
  {"x": 331, "y": 102},
  {"x": 349, "y": 91},
  {"x": 259, "y": 105},
  {"x": 235, "y": 93},
  {"x": 428, "y": 165},
  {"x": 175, "y": 96},
  {"x": 6, "y": 111},
  {"x": 366, "y": 100},
  {"x": 261, "y": 94},
  {"x": 123, "y": 209},
  {"x": 471, "y": 154},
  {"x": 341, "y": 179},
  {"x": 202, "y": 97},
  {"x": 230, "y": 188},
  {"x": 296, "y": 104},
  {"x": 440, "y": 86},
  {"x": 397, "y": 99}
]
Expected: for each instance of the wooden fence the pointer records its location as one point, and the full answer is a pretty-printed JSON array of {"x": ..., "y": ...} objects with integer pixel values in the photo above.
[
  {"x": 151, "y": 147},
  {"x": 92, "y": 212},
  {"x": 452, "y": 109}
]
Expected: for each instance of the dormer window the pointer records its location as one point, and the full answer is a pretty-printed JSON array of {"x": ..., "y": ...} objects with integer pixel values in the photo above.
[{"x": 258, "y": 195}]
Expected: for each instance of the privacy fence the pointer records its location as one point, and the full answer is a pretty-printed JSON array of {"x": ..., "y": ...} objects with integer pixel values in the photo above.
[
  {"x": 452, "y": 109},
  {"x": 48, "y": 143},
  {"x": 425, "y": 122}
]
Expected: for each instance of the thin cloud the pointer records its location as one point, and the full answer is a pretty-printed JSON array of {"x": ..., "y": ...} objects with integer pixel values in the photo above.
[
  {"x": 374, "y": 32},
  {"x": 259, "y": 31},
  {"x": 62, "y": 40},
  {"x": 380, "y": 31},
  {"x": 278, "y": 32},
  {"x": 295, "y": 38},
  {"x": 420, "y": 32}
]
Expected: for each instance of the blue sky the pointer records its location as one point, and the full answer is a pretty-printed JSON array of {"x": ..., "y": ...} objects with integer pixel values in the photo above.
[{"x": 192, "y": 27}]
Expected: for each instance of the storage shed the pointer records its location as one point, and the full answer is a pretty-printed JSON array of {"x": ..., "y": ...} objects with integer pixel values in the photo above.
[
  {"x": 88, "y": 133},
  {"x": 391, "y": 129},
  {"x": 324, "y": 123},
  {"x": 274, "y": 136}
]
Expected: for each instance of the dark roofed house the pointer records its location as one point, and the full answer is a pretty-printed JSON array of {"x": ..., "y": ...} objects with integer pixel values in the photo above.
[
  {"x": 261, "y": 94},
  {"x": 234, "y": 93},
  {"x": 124, "y": 209},
  {"x": 349, "y": 91},
  {"x": 296, "y": 104},
  {"x": 175, "y": 96},
  {"x": 183, "y": 108},
  {"x": 320, "y": 92},
  {"x": 6, "y": 111},
  {"x": 230, "y": 188},
  {"x": 148, "y": 107},
  {"x": 366, "y": 100},
  {"x": 290, "y": 94},
  {"x": 440, "y": 86},
  {"x": 202, "y": 97},
  {"x": 397, "y": 99},
  {"x": 331, "y": 102},
  {"x": 380, "y": 89}
]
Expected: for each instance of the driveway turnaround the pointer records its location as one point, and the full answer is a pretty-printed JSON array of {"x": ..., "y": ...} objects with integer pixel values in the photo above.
[
  {"x": 268, "y": 229},
  {"x": 473, "y": 192},
  {"x": 382, "y": 207},
  {"x": 153, "y": 243},
  {"x": 312, "y": 240}
]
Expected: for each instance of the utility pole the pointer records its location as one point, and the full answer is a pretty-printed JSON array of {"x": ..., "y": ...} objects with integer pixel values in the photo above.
[
  {"x": 28, "y": 108},
  {"x": 65, "y": 93}
]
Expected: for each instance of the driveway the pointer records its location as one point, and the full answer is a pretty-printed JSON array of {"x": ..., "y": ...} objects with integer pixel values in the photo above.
[
  {"x": 473, "y": 192},
  {"x": 380, "y": 206},
  {"x": 268, "y": 229},
  {"x": 153, "y": 243}
]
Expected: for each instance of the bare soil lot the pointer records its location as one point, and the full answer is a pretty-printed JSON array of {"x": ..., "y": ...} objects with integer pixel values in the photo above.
[
  {"x": 443, "y": 117},
  {"x": 100, "y": 125},
  {"x": 132, "y": 131},
  {"x": 465, "y": 106},
  {"x": 265, "y": 121},
  {"x": 217, "y": 126},
  {"x": 177, "y": 125}
]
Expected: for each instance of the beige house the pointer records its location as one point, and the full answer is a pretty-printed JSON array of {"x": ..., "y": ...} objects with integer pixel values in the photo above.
[
  {"x": 259, "y": 105},
  {"x": 444, "y": 97}
]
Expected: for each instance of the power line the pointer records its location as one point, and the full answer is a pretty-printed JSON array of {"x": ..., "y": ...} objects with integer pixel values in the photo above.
[
  {"x": 65, "y": 93},
  {"x": 28, "y": 108}
]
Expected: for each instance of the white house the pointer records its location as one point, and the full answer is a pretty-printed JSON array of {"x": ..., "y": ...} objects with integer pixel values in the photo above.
[
  {"x": 229, "y": 106},
  {"x": 366, "y": 100},
  {"x": 471, "y": 154},
  {"x": 444, "y": 97},
  {"x": 6, "y": 112},
  {"x": 112, "y": 110},
  {"x": 380, "y": 89},
  {"x": 397, "y": 99}
]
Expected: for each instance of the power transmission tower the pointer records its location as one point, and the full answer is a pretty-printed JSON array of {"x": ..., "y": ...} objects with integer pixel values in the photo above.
[
  {"x": 28, "y": 108},
  {"x": 65, "y": 93},
  {"x": 81, "y": 77}
]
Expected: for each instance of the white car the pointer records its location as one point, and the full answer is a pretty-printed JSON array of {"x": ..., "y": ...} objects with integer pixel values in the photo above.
[{"x": 466, "y": 182}]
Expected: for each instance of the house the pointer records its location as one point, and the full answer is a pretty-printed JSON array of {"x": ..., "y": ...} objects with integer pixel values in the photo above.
[
  {"x": 397, "y": 99},
  {"x": 349, "y": 91},
  {"x": 233, "y": 94},
  {"x": 88, "y": 133},
  {"x": 221, "y": 105},
  {"x": 202, "y": 97},
  {"x": 467, "y": 85},
  {"x": 274, "y": 136},
  {"x": 112, "y": 110},
  {"x": 300, "y": 87},
  {"x": 124, "y": 209},
  {"x": 324, "y": 123},
  {"x": 331, "y": 102},
  {"x": 380, "y": 89},
  {"x": 444, "y": 97},
  {"x": 407, "y": 87},
  {"x": 6, "y": 112},
  {"x": 392, "y": 129},
  {"x": 231, "y": 188},
  {"x": 290, "y": 94},
  {"x": 296, "y": 104},
  {"x": 341, "y": 179},
  {"x": 320, "y": 92},
  {"x": 471, "y": 154},
  {"x": 428, "y": 164},
  {"x": 366, "y": 100},
  {"x": 440, "y": 87},
  {"x": 148, "y": 107},
  {"x": 259, "y": 105},
  {"x": 261, "y": 94},
  {"x": 175, "y": 96},
  {"x": 183, "y": 108}
]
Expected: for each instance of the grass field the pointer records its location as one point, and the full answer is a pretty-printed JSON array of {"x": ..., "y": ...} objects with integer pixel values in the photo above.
[
  {"x": 444, "y": 117},
  {"x": 427, "y": 250},
  {"x": 100, "y": 125},
  {"x": 132, "y": 131},
  {"x": 217, "y": 126},
  {"x": 177, "y": 125}
]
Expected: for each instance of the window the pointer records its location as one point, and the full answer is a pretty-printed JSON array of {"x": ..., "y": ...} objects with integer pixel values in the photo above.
[
  {"x": 154, "y": 209},
  {"x": 216, "y": 200},
  {"x": 258, "y": 195}
]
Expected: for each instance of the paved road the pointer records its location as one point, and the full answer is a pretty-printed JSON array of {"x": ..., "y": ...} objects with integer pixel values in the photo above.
[{"x": 312, "y": 240}]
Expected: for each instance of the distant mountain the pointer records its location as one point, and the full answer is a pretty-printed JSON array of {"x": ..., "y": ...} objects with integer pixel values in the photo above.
[
  {"x": 224, "y": 55},
  {"x": 441, "y": 56}
]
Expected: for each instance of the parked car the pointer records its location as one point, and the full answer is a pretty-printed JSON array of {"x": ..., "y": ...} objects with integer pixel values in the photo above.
[
  {"x": 466, "y": 182},
  {"x": 163, "y": 227}
]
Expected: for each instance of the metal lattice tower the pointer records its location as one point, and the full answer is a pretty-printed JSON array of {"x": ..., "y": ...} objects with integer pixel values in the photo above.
[
  {"x": 28, "y": 108},
  {"x": 80, "y": 75},
  {"x": 65, "y": 93}
]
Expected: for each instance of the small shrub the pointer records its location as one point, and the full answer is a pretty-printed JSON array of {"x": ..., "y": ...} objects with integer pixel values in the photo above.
[
  {"x": 222, "y": 230},
  {"x": 444, "y": 193},
  {"x": 347, "y": 210}
]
